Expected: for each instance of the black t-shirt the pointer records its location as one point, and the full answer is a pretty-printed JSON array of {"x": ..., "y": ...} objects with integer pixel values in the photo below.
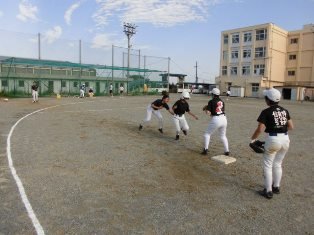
[
  {"x": 159, "y": 103},
  {"x": 181, "y": 107},
  {"x": 275, "y": 118},
  {"x": 216, "y": 106},
  {"x": 34, "y": 87}
]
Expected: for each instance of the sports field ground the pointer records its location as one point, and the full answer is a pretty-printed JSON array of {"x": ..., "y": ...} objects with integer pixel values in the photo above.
[{"x": 81, "y": 166}]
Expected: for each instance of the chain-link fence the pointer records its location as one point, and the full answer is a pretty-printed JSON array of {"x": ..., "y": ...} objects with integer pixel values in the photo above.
[{"x": 60, "y": 66}]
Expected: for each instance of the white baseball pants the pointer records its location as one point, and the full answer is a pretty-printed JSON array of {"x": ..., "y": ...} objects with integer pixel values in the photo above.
[
  {"x": 157, "y": 113},
  {"x": 35, "y": 95},
  {"x": 180, "y": 123},
  {"x": 276, "y": 148},
  {"x": 217, "y": 123},
  {"x": 81, "y": 93}
]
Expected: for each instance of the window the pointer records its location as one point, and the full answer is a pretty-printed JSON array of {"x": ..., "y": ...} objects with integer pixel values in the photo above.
[
  {"x": 292, "y": 57},
  {"x": 75, "y": 84},
  {"x": 293, "y": 41},
  {"x": 259, "y": 69},
  {"x": 291, "y": 73},
  {"x": 247, "y": 37},
  {"x": 246, "y": 70},
  {"x": 260, "y": 52},
  {"x": 4, "y": 82},
  {"x": 261, "y": 34},
  {"x": 224, "y": 55},
  {"x": 246, "y": 53},
  {"x": 234, "y": 54},
  {"x": 234, "y": 70},
  {"x": 21, "y": 83},
  {"x": 63, "y": 84},
  {"x": 255, "y": 87},
  {"x": 235, "y": 38},
  {"x": 224, "y": 70},
  {"x": 86, "y": 84},
  {"x": 226, "y": 39}
]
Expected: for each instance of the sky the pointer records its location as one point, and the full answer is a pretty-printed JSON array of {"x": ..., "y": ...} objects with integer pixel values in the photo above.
[{"x": 186, "y": 31}]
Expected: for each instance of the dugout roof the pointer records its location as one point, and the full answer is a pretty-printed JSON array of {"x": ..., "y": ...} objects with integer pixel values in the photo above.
[{"x": 66, "y": 64}]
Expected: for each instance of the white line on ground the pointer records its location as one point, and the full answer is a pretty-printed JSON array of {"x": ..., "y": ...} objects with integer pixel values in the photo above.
[{"x": 39, "y": 229}]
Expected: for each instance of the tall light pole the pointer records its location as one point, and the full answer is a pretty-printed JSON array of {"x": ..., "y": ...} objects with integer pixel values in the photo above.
[
  {"x": 129, "y": 30},
  {"x": 196, "y": 77}
]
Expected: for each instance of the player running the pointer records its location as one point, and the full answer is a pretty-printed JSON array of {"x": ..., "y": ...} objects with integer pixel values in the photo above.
[
  {"x": 179, "y": 109},
  {"x": 275, "y": 121},
  {"x": 155, "y": 108},
  {"x": 216, "y": 108}
]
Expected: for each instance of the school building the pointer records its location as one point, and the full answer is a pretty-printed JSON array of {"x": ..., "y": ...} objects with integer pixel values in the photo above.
[{"x": 258, "y": 57}]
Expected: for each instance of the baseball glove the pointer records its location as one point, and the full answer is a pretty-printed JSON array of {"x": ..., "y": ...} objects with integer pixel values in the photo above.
[
  {"x": 257, "y": 146},
  {"x": 205, "y": 107}
]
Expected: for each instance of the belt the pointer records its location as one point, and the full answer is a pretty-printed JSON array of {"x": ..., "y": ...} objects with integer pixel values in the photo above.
[
  {"x": 217, "y": 115},
  {"x": 275, "y": 134},
  {"x": 180, "y": 115}
]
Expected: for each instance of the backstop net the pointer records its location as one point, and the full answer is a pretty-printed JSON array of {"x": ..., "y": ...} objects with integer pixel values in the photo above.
[{"x": 60, "y": 66}]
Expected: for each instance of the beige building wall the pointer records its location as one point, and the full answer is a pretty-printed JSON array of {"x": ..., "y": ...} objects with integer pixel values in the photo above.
[{"x": 288, "y": 61}]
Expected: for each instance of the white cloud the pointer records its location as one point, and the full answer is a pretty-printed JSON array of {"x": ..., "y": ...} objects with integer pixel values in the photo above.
[
  {"x": 27, "y": 11},
  {"x": 157, "y": 12},
  {"x": 33, "y": 39},
  {"x": 104, "y": 41},
  {"x": 69, "y": 12},
  {"x": 71, "y": 44},
  {"x": 52, "y": 35}
]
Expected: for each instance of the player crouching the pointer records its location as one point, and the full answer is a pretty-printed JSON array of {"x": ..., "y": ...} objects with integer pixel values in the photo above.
[{"x": 154, "y": 108}]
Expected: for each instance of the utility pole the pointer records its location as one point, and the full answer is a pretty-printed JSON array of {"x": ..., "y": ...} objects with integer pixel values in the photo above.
[
  {"x": 196, "y": 78},
  {"x": 129, "y": 30}
]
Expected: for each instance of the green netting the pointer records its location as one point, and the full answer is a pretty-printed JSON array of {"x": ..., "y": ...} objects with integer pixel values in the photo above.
[{"x": 67, "y": 64}]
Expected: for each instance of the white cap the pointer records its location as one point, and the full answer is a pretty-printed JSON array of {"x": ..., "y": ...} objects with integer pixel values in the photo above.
[
  {"x": 215, "y": 91},
  {"x": 185, "y": 95},
  {"x": 272, "y": 94}
]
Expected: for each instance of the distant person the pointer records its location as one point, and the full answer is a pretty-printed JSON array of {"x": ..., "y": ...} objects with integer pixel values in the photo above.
[
  {"x": 111, "y": 90},
  {"x": 154, "y": 108},
  {"x": 303, "y": 95},
  {"x": 121, "y": 89},
  {"x": 275, "y": 121},
  {"x": 228, "y": 94},
  {"x": 35, "y": 92},
  {"x": 82, "y": 90},
  {"x": 91, "y": 92}
]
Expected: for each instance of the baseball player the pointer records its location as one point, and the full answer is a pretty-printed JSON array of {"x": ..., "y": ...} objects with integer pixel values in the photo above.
[
  {"x": 91, "y": 92},
  {"x": 35, "y": 92},
  {"x": 228, "y": 94},
  {"x": 82, "y": 90},
  {"x": 275, "y": 121},
  {"x": 111, "y": 90},
  {"x": 121, "y": 89},
  {"x": 216, "y": 109},
  {"x": 179, "y": 109},
  {"x": 155, "y": 108}
]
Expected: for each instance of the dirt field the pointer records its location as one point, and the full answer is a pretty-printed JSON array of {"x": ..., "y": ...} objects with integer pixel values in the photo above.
[{"x": 87, "y": 169}]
